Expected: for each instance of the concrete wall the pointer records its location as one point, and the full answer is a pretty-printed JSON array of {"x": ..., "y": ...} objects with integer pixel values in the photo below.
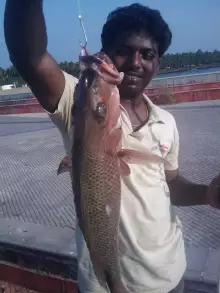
[
  {"x": 21, "y": 108},
  {"x": 160, "y": 95},
  {"x": 184, "y": 93},
  {"x": 19, "y": 279}
]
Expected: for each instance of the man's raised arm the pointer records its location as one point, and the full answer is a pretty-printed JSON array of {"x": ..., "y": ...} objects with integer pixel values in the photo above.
[{"x": 26, "y": 39}]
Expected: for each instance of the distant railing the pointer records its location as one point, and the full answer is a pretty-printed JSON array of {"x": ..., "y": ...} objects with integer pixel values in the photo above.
[
  {"x": 172, "y": 81},
  {"x": 21, "y": 96},
  {"x": 185, "y": 79}
]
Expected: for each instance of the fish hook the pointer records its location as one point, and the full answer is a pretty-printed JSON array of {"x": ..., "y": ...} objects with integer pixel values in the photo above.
[
  {"x": 83, "y": 51},
  {"x": 84, "y": 32},
  {"x": 83, "y": 46}
]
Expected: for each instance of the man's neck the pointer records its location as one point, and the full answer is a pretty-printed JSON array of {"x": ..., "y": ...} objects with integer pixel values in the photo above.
[
  {"x": 137, "y": 110},
  {"x": 132, "y": 102}
]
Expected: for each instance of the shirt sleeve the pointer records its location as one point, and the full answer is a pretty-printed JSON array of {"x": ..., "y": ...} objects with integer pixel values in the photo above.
[
  {"x": 62, "y": 117},
  {"x": 172, "y": 158}
]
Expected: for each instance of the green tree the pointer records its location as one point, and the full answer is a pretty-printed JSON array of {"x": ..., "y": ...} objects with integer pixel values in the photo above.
[{"x": 169, "y": 62}]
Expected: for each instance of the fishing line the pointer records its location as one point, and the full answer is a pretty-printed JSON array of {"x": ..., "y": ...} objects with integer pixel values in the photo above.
[
  {"x": 79, "y": 8},
  {"x": 81, "y": 24}
]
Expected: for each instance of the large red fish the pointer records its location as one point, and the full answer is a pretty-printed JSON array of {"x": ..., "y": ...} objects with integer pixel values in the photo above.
[{"x": 98, "y": 161}]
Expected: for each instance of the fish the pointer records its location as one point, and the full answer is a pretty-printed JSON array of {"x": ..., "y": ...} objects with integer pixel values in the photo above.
[{"x": 97, "y": 163}]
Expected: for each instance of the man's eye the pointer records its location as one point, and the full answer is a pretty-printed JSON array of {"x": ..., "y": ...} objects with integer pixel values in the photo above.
[{"x": 148, "y": 55}]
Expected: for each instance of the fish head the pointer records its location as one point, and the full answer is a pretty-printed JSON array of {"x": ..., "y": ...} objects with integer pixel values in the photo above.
[{"x": 100, "y": 79}]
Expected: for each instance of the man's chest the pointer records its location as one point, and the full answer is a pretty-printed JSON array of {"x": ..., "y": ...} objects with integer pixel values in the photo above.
[{"x": 156, "y": 137}]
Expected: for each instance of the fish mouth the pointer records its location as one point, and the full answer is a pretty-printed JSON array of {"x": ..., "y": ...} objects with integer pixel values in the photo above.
[{"x": 102, "y": 65}]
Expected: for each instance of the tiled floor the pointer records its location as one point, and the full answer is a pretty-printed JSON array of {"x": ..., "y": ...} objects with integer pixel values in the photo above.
[{"x": 31, "y": 149}]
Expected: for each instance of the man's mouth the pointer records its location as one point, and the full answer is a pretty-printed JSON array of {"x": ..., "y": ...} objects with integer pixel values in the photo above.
[
  {"x": 133, "y": 78},
  {"x": 133, "y": 75}
]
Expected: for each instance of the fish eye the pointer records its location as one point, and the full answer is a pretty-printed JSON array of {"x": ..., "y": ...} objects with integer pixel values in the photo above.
[
  {"x": 86, "y": 82},
  {"x": 101, "y": 110}
]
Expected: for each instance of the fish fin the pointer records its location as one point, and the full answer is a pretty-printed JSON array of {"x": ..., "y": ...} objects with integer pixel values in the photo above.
[
  {"x": 110, "y": 282},
  {"x": 113, "y": 141},
  {"x": 124, "y": 168},
  {"x": 65, "y": 165},
  {"x": 136, "y": 157},
  {"x": 114, "y": 282}
]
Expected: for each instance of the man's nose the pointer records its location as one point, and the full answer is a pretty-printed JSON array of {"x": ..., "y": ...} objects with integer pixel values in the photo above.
[{"x": 136, "y": 60}]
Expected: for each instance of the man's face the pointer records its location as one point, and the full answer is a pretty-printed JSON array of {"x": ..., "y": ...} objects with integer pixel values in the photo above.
[{"x": 137, "y": 57}]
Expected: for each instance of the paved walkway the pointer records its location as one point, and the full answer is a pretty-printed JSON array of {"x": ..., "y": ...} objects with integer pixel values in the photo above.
[
  {"x": 30, "y": 151},
  {"x": 31, "y": 148}
]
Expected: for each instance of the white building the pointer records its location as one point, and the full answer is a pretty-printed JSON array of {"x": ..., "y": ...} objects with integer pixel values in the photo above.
[{"x": 7, "y": 87}]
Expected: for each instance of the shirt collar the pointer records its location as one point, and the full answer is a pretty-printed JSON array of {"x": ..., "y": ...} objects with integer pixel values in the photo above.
[{"x": 155, "y": 113}]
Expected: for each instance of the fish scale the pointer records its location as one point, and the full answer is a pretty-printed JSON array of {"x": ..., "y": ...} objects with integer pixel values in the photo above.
[
  {"x": 96, "y": 181},
  {"x": 100, "y": 210}
]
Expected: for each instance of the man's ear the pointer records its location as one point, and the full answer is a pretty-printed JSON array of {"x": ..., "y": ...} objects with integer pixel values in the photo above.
[
  {"x": 158, "y": 65},
  {"x": 157, "y": 68}
]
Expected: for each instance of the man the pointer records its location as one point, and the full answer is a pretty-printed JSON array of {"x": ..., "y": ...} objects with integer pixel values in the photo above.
[{"x": 135, "y": 37}]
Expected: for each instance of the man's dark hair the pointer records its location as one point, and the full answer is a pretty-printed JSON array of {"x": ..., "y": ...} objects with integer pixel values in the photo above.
[{"x": 136, "y": 18}]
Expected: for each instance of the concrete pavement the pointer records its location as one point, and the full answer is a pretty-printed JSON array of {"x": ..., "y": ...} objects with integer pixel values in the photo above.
[
  {"x": 31, "y": 148},
  {"x": 36, "y": 206}
]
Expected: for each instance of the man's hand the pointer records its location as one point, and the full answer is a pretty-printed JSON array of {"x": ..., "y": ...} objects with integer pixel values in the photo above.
[{"x": 213, "y": 193}]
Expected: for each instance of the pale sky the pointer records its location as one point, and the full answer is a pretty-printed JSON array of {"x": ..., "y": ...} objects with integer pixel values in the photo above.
[{"x": 195, "y": 25}]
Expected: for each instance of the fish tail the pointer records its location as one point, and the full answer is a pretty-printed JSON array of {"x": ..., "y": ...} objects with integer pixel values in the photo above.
[{"x": 115, "y": 284}]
